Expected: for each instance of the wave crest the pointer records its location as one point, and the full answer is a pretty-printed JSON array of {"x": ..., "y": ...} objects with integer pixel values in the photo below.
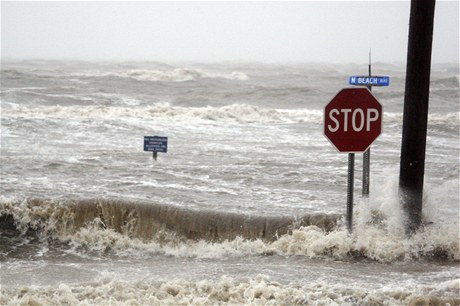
[
  {"x": 129, "y": 228},
  {"x": 233, "y": 112},
  {"x": 173, "y": 75}
]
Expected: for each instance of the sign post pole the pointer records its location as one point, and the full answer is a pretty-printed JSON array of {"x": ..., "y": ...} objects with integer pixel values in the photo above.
[
  {"x": 367, "y": 154},
  {"x": 350, "y": 187}
]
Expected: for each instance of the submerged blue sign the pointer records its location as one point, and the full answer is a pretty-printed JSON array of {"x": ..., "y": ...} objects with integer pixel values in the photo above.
[
  {"x": 369, "y": 80},
  {"x": 156, "y": 144}
]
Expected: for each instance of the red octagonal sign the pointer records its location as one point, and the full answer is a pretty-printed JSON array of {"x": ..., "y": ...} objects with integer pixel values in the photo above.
[{"x": 353, "y": 120}]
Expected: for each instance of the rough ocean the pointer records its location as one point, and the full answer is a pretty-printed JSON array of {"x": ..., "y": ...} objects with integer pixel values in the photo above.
[{"x": 246, "y": 207}]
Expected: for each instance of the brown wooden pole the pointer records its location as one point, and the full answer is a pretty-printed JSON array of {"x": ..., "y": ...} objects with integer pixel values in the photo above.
[{"x": 415, "y": 116}]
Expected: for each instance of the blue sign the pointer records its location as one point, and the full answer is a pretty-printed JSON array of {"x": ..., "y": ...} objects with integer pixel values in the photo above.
[
  {"x": 156, "y": 144},
  {"x": 369, "y": 80}
]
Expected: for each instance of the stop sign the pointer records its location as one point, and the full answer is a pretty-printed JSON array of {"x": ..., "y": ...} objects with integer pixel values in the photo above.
[{"x": 353, "y": 120}]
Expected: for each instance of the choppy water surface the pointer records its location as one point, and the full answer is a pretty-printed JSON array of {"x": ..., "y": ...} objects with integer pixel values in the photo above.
[{"x": 245, "y": 208}]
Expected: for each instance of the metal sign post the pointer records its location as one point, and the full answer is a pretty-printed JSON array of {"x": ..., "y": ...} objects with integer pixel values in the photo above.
[
  {"x": 367, "y": 154},
  {"x": 350, "y": 187}
]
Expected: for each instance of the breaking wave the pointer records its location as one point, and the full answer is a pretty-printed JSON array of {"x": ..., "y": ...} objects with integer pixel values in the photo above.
[
  {"x": 233, "y": 112},
  {"x": 151, "y": 75},
  {"x": 174, "y": 75},
  {"x": 138, "y": 229}
]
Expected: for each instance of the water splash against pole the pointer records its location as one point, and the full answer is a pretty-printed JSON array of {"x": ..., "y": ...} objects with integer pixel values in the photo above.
[{"x": 416, "y": 98}]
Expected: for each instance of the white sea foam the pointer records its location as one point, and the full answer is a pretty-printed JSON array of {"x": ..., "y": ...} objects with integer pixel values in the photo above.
[
  {"x": 258, "y": 290},
  {"x": 452, "y": 118},
  {"x": 233, "y": 112},
  {"x": 173, "y": 75}
]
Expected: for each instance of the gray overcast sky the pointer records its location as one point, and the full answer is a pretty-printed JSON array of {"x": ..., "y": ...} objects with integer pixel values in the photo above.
[{"x": 306, "y": 31}]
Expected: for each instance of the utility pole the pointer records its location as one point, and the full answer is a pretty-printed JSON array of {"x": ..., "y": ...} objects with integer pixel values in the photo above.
[{"x": 416, "y": 97}]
